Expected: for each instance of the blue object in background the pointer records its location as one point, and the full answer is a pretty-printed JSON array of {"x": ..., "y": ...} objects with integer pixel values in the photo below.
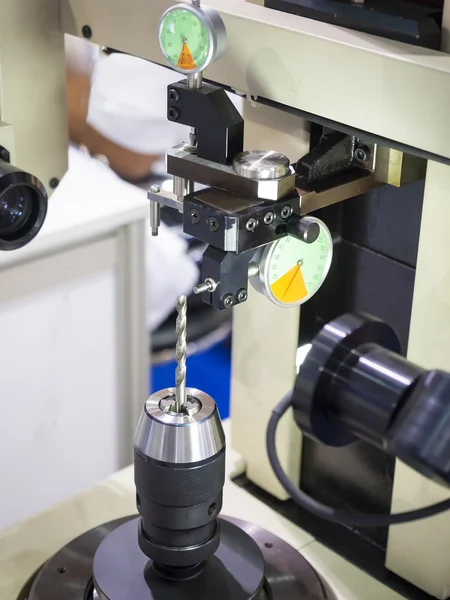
[{"x": 208, "y": 371}]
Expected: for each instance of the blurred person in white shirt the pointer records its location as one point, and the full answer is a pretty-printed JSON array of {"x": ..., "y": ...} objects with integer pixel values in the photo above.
[{"x": 117, "y": 111}]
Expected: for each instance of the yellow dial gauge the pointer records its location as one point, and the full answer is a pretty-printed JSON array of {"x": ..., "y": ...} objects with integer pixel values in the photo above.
[{"x": 291, "y": 271}]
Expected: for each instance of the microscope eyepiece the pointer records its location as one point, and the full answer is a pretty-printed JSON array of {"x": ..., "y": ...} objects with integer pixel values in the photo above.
[{"x": 23, "y": 207}]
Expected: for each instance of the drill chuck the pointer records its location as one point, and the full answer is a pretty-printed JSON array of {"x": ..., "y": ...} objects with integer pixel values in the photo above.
[{"x": 179, "y": 467}]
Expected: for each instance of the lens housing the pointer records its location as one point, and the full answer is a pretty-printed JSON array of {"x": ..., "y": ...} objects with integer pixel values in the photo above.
[{"x": 23, "y": 207}]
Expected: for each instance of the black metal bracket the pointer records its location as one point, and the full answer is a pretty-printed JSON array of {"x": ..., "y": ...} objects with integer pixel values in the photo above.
[
  {"x": 220, "y": 127},
  {"x": 233, "y": 223},
  {"x": 230, "y": 273},
  {"x": 334, "y": 154}
]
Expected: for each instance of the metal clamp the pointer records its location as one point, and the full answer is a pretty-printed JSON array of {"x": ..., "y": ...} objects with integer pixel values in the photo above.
[{"x": 382, "y": 166}]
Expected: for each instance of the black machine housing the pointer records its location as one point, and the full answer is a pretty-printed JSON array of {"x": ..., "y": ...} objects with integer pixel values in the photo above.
[{"x": 416, "y": 22}]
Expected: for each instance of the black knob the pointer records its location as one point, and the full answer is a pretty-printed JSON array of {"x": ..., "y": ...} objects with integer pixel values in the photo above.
[{"x": 306, "y": 229}]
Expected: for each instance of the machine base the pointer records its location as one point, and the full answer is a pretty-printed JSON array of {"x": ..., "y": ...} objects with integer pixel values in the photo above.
[
  {"x": 122, "y": 570},
  {"x": 69, "y": 573}
]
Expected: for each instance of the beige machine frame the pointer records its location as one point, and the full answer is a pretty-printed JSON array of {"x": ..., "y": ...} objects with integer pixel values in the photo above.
[
  {"x": 397, "y": 91},
  {"x": 33, "y": 121}
]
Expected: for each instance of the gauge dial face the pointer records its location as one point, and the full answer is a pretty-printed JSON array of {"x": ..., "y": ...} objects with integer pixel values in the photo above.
[
  {"x": 185, "y": 39},
  {"x": 292, "y": 271}
]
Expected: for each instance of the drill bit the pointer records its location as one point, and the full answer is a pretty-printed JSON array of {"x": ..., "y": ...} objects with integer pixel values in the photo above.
[{"x": 180, "y": 393}]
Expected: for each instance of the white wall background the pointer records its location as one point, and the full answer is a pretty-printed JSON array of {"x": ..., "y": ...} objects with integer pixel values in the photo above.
[{"x": 59, "y": 422}]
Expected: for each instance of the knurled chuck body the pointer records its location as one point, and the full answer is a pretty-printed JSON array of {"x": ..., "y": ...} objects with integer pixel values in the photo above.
[{"x": 179, "y": 468}]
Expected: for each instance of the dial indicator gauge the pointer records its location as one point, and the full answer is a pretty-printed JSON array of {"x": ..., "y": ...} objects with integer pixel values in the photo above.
[
  {"x": 191, "y": 38},
  {"x": 291, "y": 271}
]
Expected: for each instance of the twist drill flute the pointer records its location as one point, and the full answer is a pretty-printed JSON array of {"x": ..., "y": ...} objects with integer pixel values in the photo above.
[{"x": 180, "y": 394}]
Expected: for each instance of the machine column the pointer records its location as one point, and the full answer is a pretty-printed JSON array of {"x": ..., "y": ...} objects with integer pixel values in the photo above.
[
  {"x": 419, "y": 551},
  {"x": 33, "y": 88},
  {"x": 265, "y": 336}
]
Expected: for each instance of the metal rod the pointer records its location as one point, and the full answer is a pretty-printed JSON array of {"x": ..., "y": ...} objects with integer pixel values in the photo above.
[
  {"x": 201, "y": 288},
  {"x": 180, "y": 393},
  {"x": 179, "y": 187},
  {"x": 210, "y": 285},
  {"x": 193, "y": 137},
  {"x": 253, "y": 270},
  {"x": 195, "y": 82},
  {"x": 155, "y": 217},
  {"x": 189, "y": 187},
  {"x": 155, "y": 211}
]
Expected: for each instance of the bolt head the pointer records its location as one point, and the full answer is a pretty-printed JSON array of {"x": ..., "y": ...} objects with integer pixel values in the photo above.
[
  {"x": 174, "y": 96},
  {"x": 251, "y": 225},
  {"x": 54, "y": 182},
  {"x": 242, "y": 295},
  {"x": 213, "y": 224},
  {"x": 269, "y": 217},
  {"x": 173, "y": 114},
  {"x": 286, "y": 212},
  {"x": 86, "y": 32},
  {"x": 228, "y": 300},
  {"x": 362, "y": 154},
  {"x": 195, "y": 217},
  {"x": 155, "y": 189}
]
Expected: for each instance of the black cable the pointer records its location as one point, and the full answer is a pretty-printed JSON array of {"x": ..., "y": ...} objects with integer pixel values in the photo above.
[{"x": 327, "y": 512}]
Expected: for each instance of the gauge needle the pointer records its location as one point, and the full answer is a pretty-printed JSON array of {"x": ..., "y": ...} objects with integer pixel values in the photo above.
[
  {"x": 186, "y": 60},
  {"x": 290, "y": 287},
  {"x": 293, "y": 274}
]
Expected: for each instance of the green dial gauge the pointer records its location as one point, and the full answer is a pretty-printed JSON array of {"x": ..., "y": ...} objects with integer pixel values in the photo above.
[
  {"x": 191, "y": 37},
  {"x": 291, "y": 271}
]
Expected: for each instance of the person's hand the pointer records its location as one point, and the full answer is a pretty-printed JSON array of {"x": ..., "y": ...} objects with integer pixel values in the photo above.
[{"x": 129, "y": 165}]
